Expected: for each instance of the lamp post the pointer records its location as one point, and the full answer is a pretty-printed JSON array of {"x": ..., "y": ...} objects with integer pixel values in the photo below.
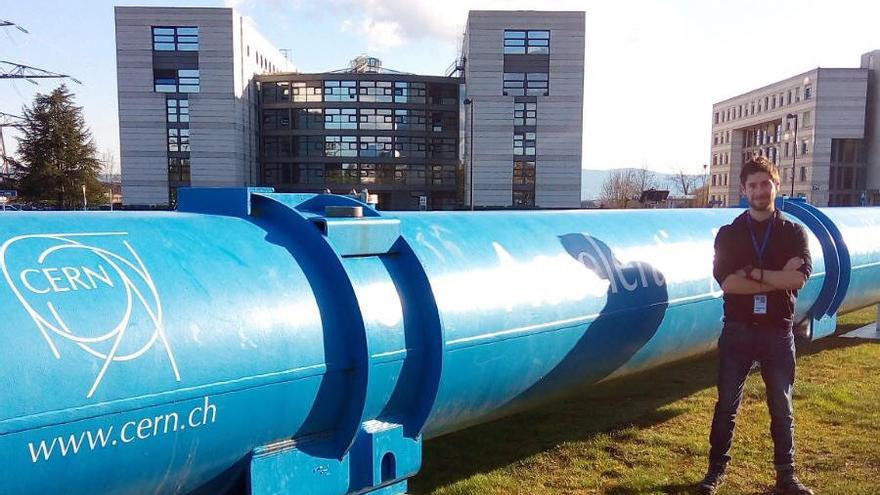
[
  {"x": 706, "y": 181},
  {"x": 794, "y": 150},
  {"x": 470, "y": 102}
]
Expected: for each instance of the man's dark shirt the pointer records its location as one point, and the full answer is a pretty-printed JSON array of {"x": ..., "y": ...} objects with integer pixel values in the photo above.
[{"x": 734, "y": 250}]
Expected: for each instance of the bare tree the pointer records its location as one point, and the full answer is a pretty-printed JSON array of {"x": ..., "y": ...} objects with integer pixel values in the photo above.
[
  {"x": 620, "y": 189},
  {"x": 644, "y": 179},
  {"x": 685, "y": 183}
]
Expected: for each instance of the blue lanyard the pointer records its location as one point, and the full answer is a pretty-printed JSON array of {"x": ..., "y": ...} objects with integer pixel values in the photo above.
[{"x": 760, "y": 251}]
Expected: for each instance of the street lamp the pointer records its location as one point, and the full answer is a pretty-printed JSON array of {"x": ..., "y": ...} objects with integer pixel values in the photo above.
[
  {"x": 794, "y": 151},
  {"x": 470, "y": 102},
  {"x": 706, "y": 181}
]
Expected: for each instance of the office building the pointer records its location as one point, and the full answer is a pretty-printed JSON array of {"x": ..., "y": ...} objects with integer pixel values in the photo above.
[
  {"x": 394, "y": 133},
  {"x": 820, "y": 127},
  {"x": 524, "y": 81},
  {"x": 205, "y": 100},
  {"x": 187, "y": 99}
]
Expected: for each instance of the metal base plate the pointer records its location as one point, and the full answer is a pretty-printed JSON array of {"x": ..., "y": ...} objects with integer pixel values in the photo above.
[{"x": 870, "y": 331}]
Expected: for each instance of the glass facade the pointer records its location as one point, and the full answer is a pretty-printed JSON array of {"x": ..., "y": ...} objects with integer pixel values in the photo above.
[{"x": 396, "y": 135}]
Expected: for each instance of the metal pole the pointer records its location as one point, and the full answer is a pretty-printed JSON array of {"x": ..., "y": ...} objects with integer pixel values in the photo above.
[
  {"x": 706, "y": 181},
  {"x": 794, "y": 152},
  {"x": 471, "y": 153}
]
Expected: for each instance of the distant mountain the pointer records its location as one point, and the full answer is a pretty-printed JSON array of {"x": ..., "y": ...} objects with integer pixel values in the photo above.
[{"x": 592, "y": 180}]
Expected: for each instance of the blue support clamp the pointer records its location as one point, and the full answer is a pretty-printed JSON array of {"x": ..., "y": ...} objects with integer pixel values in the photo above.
[
  {"x": 823, "y": 314},
  {"x": 283, "y": 469},
  {"x": 383, "y": 458},
  {"x": 338, "y": 305}
]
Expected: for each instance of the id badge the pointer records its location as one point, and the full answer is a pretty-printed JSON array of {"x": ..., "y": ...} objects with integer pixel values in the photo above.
[{"x": 760, "y": 307}]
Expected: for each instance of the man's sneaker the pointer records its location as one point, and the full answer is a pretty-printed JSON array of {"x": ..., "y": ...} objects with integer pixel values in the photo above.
[
  {"x": 714, "y": 478},
  {"x": 788, "y": 484}
]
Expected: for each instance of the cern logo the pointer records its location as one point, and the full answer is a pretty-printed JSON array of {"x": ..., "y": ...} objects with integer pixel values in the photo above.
[{"x": 90, "y": 293}]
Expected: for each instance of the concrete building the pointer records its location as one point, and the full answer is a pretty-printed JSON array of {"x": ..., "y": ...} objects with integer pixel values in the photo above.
[
  {"x": 187, "y": 104},
  {"x": 393, "y": 133},
  {"x": 524, "y": 81},
  {"x": 190, "y": 114},
  {"x": 820, "y": 127}
]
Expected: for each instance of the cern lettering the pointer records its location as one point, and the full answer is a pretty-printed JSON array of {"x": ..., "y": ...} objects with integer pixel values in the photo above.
[
  {"x": 46, "y": 272},
  {"x": 65, "y": 278}
]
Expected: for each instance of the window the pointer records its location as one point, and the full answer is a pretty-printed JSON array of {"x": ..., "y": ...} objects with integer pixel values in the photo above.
[
  {"x": 409, "y": 92},
  {"x": 808, "y": 92},
  {"x": 410, "y": 147},
  {"x": 526, "y": 83},
  {"x": 175, "y": 38},
  {"x": 306, "y": 91},
  {"x": 304, "y": 146},
  {"x": 523, "y": 198},
  {"x": 409, "y": 120},
  {"x": 178, "y": 110},
  {"x": 375, "y": 91},
  {"x": 804, "y": 149},
  {"x": 375, "y": 118},
  {"x": 340, "y": 118},
  {"x": 526, "y": 42},
  {"x": 178, "y": 140},
  {"x": 523, "y": 172},
  {"x": 443, "y": 148},
  {"x": 442, "y": 175},
  {"x": 524, "y": 143},
  {"x": 176, "y": 81},
  {"x": 178, "y": 171},
  {"x": 375, "y": 146},
  {"x": 340, "y": 90},
  {"x": 806, "y": 119},
  {"x": 803, "y": 174},
  {"x": 525, "y": 114},
  {"x": 341, "y": 145}
]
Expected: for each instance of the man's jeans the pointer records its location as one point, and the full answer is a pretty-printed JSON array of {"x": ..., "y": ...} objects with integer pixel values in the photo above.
[{"x": 739, "y": 346}]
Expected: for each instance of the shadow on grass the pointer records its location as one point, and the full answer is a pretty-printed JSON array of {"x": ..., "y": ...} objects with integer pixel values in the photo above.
[{"x": 609, "y": 408}]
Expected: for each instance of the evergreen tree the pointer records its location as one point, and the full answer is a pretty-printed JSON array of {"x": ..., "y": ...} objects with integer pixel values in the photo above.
[{"x": 57, "y": 153}]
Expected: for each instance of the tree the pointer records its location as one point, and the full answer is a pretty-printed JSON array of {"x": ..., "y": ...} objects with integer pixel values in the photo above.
[
  {"x": 621, "y": 187},
  {"x": 57, "y": 153},
  {"x": 685, "y": 183},
  {"x": 644, "y": 179}
]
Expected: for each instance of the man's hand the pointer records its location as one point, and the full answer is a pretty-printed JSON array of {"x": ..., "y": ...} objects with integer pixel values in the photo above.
[
  {"x": 789, "y": 278},
  {"x": 793, "y": 264}
]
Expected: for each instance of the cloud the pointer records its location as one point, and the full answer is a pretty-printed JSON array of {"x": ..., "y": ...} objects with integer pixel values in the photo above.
[
  {"x": 387, "y": 23},
  {"x": 379, "y": 34}
]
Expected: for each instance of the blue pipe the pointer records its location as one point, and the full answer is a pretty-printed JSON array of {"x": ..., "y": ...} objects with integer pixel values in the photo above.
[{"x": 252, "y": 343}]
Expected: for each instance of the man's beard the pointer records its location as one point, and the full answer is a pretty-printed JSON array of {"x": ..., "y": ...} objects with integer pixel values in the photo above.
[{"x": 761, "y": 204}]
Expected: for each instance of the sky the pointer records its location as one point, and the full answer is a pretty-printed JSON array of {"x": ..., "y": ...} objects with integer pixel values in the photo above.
[{"x": 653, "y": 68}]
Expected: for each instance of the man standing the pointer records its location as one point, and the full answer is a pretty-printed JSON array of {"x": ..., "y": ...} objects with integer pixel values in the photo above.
[{"x": 761, "y": 260}]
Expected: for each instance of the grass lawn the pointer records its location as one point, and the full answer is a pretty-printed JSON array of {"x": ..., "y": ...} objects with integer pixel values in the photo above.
[{"x": 649, "y": 433}]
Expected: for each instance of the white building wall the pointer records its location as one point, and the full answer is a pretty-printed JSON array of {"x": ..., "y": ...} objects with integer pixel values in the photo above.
[
  {"x": 222, "y": 116},
  {"x": 559, "y": 116}
]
